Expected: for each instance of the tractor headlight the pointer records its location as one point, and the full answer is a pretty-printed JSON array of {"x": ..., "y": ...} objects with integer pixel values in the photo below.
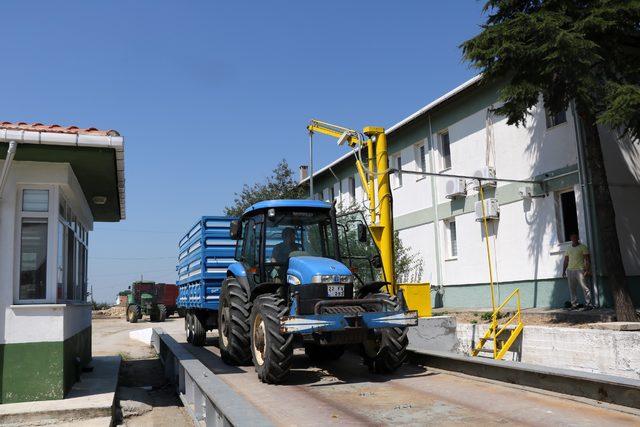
[
  {"x": 347, "y": 278},
  {"x": 292, "y": 280},
  {"x": 331, "y": 278}
]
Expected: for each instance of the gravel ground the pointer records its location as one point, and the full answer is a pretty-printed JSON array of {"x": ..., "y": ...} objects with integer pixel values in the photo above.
[{"x": 144, "y": 397}]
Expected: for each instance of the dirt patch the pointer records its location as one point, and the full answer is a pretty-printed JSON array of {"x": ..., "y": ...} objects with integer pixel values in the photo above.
[
  {"x": 144, "y": 397},
  {"x": 108, "y": 313},
  {"x": 535, "y": 317}
]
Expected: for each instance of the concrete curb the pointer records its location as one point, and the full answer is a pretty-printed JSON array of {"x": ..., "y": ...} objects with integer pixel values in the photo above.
[
  {"x": 91, "y": 398},
  {"x": 207, "y": 398},
  {"x": 605, "y": 388}
]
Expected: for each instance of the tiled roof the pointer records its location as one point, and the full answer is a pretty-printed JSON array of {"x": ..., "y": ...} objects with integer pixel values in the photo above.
[{"x": 39, "y": 127}]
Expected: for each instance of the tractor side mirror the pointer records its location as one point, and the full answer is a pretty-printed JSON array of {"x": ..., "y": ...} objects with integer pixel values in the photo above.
[
  {"x": 362, "y": 233},
  {"x": 376, "y": 261},
  {"x": 236, "y": 230}
]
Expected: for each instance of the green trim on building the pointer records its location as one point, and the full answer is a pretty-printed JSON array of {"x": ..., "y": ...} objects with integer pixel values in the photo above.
[
  {"x": 505, "y": 194},
  {"x": 533, "y": 293},
  {"x": 42, "y": 370}
]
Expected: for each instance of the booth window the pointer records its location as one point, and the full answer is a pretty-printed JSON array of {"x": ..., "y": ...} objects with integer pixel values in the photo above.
[
  {"x": 34, "y": 226},
  {"x": 33, "y": 259}
]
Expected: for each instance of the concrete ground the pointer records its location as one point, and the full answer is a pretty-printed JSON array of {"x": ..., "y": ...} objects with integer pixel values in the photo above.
[
  {"x": 343, "y": 392},
  {"x": 143, "y": 397}
]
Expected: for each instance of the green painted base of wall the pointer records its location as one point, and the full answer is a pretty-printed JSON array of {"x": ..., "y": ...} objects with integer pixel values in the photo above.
[
  {"x": 42, "y": 370},
  {"x": 539, "y": 293}
]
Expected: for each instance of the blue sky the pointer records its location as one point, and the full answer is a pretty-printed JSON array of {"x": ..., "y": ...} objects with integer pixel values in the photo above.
[{"x": 210, "y": 95}]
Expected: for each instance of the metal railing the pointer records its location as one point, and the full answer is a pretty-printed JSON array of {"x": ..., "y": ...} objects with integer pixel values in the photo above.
[
  {"x": 500, "y": 347},
  {"x": 208, "y": 399}
]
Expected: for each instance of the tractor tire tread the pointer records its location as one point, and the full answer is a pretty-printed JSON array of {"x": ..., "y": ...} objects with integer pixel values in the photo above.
[
  {"x": 393, "y": 347},
  {"x": 239, "y": 349},
  {"x": 279, "y": 347}
]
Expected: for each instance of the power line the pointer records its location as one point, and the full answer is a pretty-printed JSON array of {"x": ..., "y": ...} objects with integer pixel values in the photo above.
[{"x": 139, "y": 230}]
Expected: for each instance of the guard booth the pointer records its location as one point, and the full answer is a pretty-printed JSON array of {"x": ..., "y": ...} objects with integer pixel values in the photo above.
[{"x": 55, "y": 182}]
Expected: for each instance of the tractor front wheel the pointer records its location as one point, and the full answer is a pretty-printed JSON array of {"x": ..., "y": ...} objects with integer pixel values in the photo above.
[
  {"x": 272, "y": 351},
  {"x": 388, "y": 350},
  {"x": 134, "y": 312}
]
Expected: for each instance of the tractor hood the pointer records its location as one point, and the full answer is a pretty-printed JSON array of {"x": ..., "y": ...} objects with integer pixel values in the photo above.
[{"x": 305, "y": 267}]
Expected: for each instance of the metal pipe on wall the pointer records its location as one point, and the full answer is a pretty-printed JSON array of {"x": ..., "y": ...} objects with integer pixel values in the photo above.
[
  {"x": 434, "y": 203},
  {"x": 11, "y": 152}
]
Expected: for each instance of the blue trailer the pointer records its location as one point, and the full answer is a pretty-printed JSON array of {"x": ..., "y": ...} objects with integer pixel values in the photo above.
[
  {"x": 290, "y": 273},
  {"x": 204, "y": 255}
]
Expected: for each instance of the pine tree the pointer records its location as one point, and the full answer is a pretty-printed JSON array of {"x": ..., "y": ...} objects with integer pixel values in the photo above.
[{"x": 582, "y": 51}]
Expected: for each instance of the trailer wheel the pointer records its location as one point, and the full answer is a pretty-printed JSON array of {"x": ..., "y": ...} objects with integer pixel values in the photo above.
[
  {"x": 233, "y": 324},
  {"x": 162, "y": 312},
  {"x": 134, "y": 313},
  {"x": 272, "y": 351},
  {"x": 198, "y": 330},
  {"x": 388, "y": 350},
  {"x": 321, "y": 353},
  {"x": 188, "y": 329}
]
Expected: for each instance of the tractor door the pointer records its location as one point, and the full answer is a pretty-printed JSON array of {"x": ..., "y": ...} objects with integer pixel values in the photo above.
[
  {"x": 357, "y": 248},
  {"x": 252, "y": 255}
]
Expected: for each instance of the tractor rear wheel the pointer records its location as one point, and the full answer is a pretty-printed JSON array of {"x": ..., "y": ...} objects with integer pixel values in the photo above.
[
  {"x": 272, "y": 351},
  {"x": 233, "y": 324},
  {"x": 388, "y": 350},
  {"x": 199, "y": 330},
  {"x": 162, "y": 312},
  {"x": 134, "y": 312},
  {"x": 321, "y": 353}
]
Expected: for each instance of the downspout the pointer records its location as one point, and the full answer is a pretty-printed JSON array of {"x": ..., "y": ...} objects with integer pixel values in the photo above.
[
  {"x": 586, "y": 202},
  {"x": 434, "y": 203},
  {"x": 11, "y": 152}
]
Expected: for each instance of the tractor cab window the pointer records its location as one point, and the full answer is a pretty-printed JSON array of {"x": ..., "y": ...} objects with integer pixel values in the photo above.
[
  {"x": 362, "y": 257},
  {"x": 291, "y": 233}
]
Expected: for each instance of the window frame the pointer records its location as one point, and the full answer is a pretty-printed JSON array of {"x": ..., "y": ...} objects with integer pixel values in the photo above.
[
  {"x": 80, "y": 233},
  {"x": 449, "y": 256},
  {"x": 422, "y": 164},
  {"x": 549, "y": 119},
  {"x": 51, "y": 256},
  {"x": 442, "y": 164},
  {"x": 560, "y": 225},
  {"x": 397, "y": 180},
  {"x": 351, "y": 188}
]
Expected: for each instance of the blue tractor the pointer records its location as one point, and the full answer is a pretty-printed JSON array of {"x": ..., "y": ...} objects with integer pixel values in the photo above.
[{"x": 299, "y": 281}]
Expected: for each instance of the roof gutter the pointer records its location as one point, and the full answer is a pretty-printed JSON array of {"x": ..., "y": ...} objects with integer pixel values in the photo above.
[
  {"x": 76, "y": 140},
  {"x": 11, "y": 152},
  {"x": 452, "y": 93}
]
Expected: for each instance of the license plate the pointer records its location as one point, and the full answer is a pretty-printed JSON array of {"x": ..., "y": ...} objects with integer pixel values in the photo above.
[{"x": 335, "y": 290}]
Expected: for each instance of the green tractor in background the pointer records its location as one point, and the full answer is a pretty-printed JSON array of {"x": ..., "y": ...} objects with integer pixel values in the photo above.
[{"x": 144, "y": 300}]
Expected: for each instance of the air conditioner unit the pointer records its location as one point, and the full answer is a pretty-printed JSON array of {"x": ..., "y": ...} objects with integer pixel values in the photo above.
[
  {"x": 485, "y": 172},
  {"x": 456, "y": 187},
  {"x": 491, "y": 208}
]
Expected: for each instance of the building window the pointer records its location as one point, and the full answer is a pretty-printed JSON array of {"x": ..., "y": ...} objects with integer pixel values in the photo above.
[
  {"x": 444, "y": 147},
  {"x": 397, "y": 175},
  {"x": 35, "y": 200},
  {"x": 567, "y": 215},
  {"x": 421, "y": 160},
  {"x": 33, "y": 259},
  {"x": 451, "y": 238},
  {"x": 352, "y": 189},
  {"x": 555, "y": 119},
  {"x": 325, "y": 195},
  {"x": 332, "y": 194}
]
